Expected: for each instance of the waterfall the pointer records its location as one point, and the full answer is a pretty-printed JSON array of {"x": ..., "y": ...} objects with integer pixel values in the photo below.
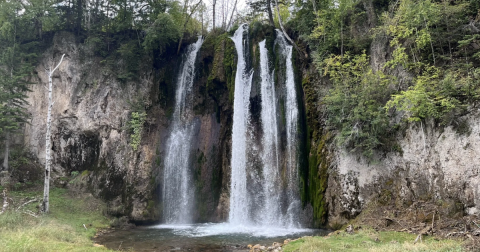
[
  {"x": 291, "y": 116},
  {"x": 243, "y": 82},
  {"x": 177, "y": 184},
  {"x": 271, "y": 212},
  {"x": 264, "y": 179}
]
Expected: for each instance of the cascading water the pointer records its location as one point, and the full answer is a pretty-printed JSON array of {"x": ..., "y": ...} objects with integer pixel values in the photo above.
[
  {"x": 243, "y": 83},
  {"x": 272, "y": 197},
  {"x": 177, "y": 184},
  {"x": 271, "y": 212},
  {"x": 291, "y": 116}
]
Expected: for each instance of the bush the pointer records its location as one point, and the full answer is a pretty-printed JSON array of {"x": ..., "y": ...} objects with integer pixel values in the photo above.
[{"x": 355, "y": 103}]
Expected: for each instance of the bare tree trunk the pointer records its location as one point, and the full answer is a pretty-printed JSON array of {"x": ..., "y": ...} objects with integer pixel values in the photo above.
[
  {"x": 214, "y": 4},
  {"x": 185, "y": 24},
  {"x": 7, "y": 151},
  {"x": 48, "y": 144},
  {"x": 270, "y": 13},
  {"x": 231, "y": 16},
  {"x": 5, "y": 201},
  {"x": 302, "y": 54}
]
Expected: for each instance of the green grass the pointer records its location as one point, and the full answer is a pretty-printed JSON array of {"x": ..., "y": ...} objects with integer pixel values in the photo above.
[
  {"x": 60, "y": 230},
  {"x": 371, "y": 241}
]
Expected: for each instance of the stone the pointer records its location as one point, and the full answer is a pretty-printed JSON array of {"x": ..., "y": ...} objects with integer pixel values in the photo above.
[{"x": 349, "y": 229}]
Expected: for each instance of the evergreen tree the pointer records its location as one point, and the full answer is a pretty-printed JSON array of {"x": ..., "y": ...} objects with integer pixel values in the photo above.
[{"x": 16, "y": 63}]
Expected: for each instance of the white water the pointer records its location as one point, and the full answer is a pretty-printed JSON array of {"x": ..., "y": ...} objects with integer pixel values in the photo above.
[
  {"x": 243, "y": 83},
  {"x": 224, "y": 229},
  {"x": 177, "y": 184},
  {"x": 267, "y": 199},
  {"x": 291, "y": 114},
  {"x": 270, "y": 210},
  {"x": 273, "y": 209}
]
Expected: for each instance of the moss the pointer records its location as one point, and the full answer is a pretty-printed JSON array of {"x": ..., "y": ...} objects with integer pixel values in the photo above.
[
  {"x": 318, "y": 179},
  {"x": 224, "y": 57}
]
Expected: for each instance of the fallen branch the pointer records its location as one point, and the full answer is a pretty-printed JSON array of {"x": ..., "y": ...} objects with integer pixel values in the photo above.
[
  {"x": 26, "y": 203},
  {"x": 84, "y": 226},
  {"x": 476, "y": 224},
  {"x": 424, "y": 231},
  {"x": 30, "y": 213}
]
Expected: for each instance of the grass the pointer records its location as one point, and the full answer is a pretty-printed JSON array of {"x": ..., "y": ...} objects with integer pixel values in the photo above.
[
  {"x": 60, "y": 230},
  {"x": 372, "y": 241}
]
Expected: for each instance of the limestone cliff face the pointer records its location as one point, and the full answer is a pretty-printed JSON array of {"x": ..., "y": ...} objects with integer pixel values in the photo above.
[
  {"x": 438, "y": 165},
  {"x": 90, "y": 135},
  {"x": 88, "y": 128},
  {"x": 90, "y": 132}
]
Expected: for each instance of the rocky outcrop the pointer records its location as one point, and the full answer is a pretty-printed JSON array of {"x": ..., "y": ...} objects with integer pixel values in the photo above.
[{"x": 434, "y": 164}]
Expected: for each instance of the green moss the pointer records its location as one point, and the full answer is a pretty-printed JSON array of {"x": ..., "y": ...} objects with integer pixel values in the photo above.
[
  {"x": 224, "y": 57},
  {"x": 318, "y": 179}
]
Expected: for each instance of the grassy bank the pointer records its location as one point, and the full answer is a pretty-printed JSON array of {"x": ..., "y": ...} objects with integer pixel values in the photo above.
[
  {"x": 372, "y": 241},
  {"x": 60, "y": 230}
]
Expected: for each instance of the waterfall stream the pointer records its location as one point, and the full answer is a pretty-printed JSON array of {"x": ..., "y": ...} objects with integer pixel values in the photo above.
[
  {"x": 243, "y": 83},
  {"x": 177, "y": 183},
  {"x": 264, "y": 189},
  {"x": 264, "y": 178}
]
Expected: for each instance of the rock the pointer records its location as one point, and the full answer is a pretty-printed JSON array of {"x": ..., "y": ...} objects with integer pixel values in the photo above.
[
  {"x": 287, "y": 241},
  {"x": 349, "y": 229},
  {"x": 98, "y": 245},
  {"x": 276, "y": 244}
]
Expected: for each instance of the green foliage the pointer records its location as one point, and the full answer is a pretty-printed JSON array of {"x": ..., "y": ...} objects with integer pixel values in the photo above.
[
  {"x": 163, "y": 32},
  {"x": 131, "y": 55},
  {"x": 436, "y": 95},
  {"x": 136, "y": 127},
  {"x": 355, "y": 103}
]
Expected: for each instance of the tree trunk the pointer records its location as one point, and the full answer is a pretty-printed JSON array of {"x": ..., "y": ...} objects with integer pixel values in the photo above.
[
  {"x": 48, "y": 143},
  {"x": 302, "y": 54},
  {"x": 231, "y": 16},
  {"x": 5, "y": 201},
  {"x": 7, "y": 151},
  {"x": 270, "y": 13},
  {"x": 214, "y": 3},
  {"x": 187, "y": 19}
]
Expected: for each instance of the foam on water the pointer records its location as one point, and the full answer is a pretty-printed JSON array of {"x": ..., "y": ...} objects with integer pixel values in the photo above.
[{"x": 226, "y": 229}]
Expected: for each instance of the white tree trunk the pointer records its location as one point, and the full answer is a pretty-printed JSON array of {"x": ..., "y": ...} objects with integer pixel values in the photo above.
[
  {"x": 5, "y": 201},
  {"x": 48, "y": 144},
  {"x": 7, "y": 151}
]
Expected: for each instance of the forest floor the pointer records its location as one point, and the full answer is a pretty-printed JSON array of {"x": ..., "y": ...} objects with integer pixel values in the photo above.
[{"x": 73, "y": 220}]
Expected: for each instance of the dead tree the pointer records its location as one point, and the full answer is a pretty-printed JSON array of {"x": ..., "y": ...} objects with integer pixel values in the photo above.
[{"x": 48, "y": 144}]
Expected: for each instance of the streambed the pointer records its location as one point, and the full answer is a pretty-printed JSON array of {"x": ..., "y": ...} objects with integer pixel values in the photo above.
[{"x": 199, "y": 237}]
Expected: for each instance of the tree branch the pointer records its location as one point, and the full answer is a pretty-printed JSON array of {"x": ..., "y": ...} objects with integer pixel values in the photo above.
[{"x": 302, "y": 54}]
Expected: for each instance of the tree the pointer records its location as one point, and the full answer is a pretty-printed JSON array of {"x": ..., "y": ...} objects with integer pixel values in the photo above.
[
  {"x": 48, "y": 158},
  {"x": 16, "y": 64},
  {"x": 186, "y": 20},
  {"x": 263, "y": 6}
]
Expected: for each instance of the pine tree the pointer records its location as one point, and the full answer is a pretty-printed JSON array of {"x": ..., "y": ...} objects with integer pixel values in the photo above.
[{"x": 16, "y": 64}]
